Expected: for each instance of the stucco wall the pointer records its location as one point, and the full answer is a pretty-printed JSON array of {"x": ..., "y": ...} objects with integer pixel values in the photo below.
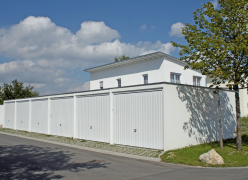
[
  {"x": 242, "y": 95},
  {"x": 192, "y": 115},
  {"x": 1, "y": 115},
  {"x": 158, "y": 70}
]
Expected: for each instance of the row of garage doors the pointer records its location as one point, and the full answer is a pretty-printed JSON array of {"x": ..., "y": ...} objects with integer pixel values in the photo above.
[{"x": 137, "y": 117}]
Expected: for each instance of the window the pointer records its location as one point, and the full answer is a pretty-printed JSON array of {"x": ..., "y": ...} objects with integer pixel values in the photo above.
[
  {"x": 175, "y": 78},
  {"x": 101, "y": 84},
  {"x": 118, "y": 82},
  {"x": 196, "y": 81},
  {"x": 145, "y": 76}
]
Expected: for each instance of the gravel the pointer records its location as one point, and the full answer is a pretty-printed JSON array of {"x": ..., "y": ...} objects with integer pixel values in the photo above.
[{"x": 91, "y": 144}]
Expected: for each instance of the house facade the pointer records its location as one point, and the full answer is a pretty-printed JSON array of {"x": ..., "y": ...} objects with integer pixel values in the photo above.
[{"x": 151, "y": 68}]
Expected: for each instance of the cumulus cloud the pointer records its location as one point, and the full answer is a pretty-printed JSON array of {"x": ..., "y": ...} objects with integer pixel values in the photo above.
[
  {"x": 48, "y": 56},
  {"x": 95, "y": 32},
  {"x": 176, "y": 29},
  {"x": 143, "y": 27},
  {"x": 84, "y": 87}
]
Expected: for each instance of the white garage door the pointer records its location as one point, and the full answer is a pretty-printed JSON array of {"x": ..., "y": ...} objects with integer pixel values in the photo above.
[
  {"x": 62, "y": 116},
  {"x": 93, "y": 117},
  {"x": 22, "y": 115},
  {"x": 39, "y": 116},
  {"x": 9, "y": 115},
  {"x": 138, "y": 119}
]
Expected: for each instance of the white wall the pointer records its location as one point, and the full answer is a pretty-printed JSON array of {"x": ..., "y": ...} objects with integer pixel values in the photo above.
[
  {"x": 192, "y": 115},
  {"x": 189, "y": 114},
  {"x": 1, "y": 115},
  {"x": 243, "y": 97},
  {"x": 158, "y": 70}
]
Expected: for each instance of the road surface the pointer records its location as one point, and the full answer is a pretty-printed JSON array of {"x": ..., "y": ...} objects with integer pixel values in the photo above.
[{"x": 22, "y": 158}]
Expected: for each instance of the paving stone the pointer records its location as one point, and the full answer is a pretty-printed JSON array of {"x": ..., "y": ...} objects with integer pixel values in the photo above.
[{"x": 90, "y": 144}]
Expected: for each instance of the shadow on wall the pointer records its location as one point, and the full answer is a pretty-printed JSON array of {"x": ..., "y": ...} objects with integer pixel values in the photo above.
[
  {"x": 31, "y": 162},
  {"x": 203, "y": 124}
]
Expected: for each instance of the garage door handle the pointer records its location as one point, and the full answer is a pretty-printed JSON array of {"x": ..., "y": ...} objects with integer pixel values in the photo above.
[
  {"x": 60, "y": 124},
  {"x": 134, "y": 130},
  {"x": 90, "y": 127}
]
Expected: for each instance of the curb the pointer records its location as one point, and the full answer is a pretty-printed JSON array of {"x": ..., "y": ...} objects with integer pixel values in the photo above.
[{"x": 90, "y": 149}]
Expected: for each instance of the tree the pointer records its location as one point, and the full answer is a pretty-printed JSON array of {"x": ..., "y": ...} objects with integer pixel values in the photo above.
[
  {"x": 217, "y": 46},
  {"x": 121, "y": 58},
  {"x": 16, "y": 90},
  {"x": 219, "y": 113}
]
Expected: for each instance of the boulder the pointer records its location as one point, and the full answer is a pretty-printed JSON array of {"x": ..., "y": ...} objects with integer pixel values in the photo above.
[{"x": 212, "y": 157}]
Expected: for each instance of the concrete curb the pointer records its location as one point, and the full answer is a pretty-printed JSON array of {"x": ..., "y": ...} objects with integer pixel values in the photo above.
[{"x": 90, "y": 149}]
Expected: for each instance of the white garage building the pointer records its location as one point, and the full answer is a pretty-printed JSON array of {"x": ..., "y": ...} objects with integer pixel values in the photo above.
[{"x": 141, "y": 111}]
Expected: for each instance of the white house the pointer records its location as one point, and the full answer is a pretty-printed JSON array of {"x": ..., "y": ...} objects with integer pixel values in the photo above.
[{"x": 151, "y": 68}]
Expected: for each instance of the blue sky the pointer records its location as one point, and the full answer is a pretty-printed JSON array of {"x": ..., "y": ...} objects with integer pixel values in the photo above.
[{"x": 49, "y": 43}]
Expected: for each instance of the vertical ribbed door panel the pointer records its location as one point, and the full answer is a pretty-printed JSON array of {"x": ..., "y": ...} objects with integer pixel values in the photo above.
[
  {"x": 9, "y": 115},
  {"x": 22, "y": 115},
  {"x": 93, "y": 118},
  {"x": 61, "y": 116},
  {"x": 39, "y": 116},
  {"x": 138, "y": 119}
]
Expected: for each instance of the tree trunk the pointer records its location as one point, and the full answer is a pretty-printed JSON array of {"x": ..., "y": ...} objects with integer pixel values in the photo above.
[
  {"x": 238, "y": 119},
  {"x": 220, "y": 126}
]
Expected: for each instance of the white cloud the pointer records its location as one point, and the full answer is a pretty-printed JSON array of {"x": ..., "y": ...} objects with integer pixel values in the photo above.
[
  {"x": 215, "y": 3},
  {"x": 143, "y": 27},
  {"x": 95, "y": 32},
  {"x": 176, "y": 29},
  {"x": 48, "y": 56},
  {"x": 153, "y": 27},
  {"x": 84, "y": 87}
]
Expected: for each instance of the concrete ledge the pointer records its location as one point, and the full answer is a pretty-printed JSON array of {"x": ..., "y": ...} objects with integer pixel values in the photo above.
[{"x": 90, "y": 149}]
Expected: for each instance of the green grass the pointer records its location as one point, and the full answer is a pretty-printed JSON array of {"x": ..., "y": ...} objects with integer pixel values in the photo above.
[{"x": 232, "y": 157}]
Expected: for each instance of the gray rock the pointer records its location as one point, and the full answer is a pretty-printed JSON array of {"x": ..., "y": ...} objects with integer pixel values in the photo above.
[{"x": 212, "y": 157}]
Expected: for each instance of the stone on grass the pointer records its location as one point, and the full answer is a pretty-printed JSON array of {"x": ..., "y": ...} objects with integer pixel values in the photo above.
[{"x": 212, "y": 157}]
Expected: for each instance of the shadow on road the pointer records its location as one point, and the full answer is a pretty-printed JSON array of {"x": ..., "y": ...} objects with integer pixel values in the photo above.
[{"x": 31, "y": 162}]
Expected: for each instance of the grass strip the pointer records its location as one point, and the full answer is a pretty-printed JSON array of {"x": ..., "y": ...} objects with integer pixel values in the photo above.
[{"x": 232, "y": 157}]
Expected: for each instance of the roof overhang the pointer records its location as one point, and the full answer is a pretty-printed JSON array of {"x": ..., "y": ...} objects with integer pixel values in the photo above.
[{"x": 146, "y": 57}]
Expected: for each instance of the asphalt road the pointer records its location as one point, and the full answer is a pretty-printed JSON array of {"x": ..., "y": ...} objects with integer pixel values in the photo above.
[{"x": 22, "y": 158}]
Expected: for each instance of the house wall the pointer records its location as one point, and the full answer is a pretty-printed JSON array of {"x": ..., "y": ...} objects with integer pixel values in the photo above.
[
  {"x": 243, "y": 96},
  {"x": 192, "y": 116},
  {"x": 158, "y": 70},
  {"x": 166, "y": 116},
  {"x": 1, "y": 115}
]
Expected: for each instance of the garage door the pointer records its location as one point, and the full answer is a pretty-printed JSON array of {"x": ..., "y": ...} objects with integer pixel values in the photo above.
[
  {"x": 22, "y": 115},
  {"x": 62, "y": 116},
  {"x": 138, "y": 119},
  {"x": 9, "y": 115},
  {"x": 93, "y": 117},
  {"x": 39, "y": 116}
]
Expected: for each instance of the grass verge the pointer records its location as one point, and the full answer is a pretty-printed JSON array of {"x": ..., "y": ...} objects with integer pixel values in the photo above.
[{"x": 232, "y": 157}]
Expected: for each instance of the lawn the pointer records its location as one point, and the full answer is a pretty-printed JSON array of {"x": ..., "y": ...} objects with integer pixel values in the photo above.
[{"x": 232, "y": 157}]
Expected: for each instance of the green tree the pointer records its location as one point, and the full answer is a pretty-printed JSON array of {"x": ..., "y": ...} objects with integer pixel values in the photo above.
[
  {"x": 217, "y": 46},
  {"x": 16, "y": 90},
  {"x": 121, "y": 58}
]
